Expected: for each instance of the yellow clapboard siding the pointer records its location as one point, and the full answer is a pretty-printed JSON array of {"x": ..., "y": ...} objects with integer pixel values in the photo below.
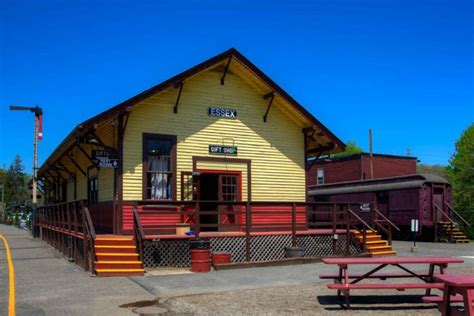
[{"x": 275, "y": 148}]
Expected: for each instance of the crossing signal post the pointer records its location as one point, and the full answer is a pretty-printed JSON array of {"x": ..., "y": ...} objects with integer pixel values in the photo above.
[{"x": 38, "y": 135}]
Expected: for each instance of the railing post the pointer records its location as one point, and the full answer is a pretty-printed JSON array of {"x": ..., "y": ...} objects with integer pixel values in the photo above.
[
  {"x": 348, "y": 230},
  {"x": 334, "y": 240},
  {"x": 138, "y": 232},
  {"x": 293, "y": 225},
  {"x": 373, "y": 216},
  {"x": 364, "y": 239},
  {"x": 63, "y": 230},
  {"x": 197, "y": 219},
  {"x": 390, "y": 235},
  {"x": 248, "y": 225},
  {"x": 85, "y": 241}
]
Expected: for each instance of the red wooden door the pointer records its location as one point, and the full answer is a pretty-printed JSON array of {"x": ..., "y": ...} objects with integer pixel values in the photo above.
[{"x": 229, "y": 191}]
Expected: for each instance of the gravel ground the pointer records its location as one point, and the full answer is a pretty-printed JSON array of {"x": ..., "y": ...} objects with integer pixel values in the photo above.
[{"x": 312, "y": 297}]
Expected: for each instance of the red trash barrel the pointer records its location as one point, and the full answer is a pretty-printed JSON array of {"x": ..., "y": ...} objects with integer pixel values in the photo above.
[
  {"x": 200, "y": 255},
  {"x": 200, "y": 260},
  {"x": 221, "y": 257}
]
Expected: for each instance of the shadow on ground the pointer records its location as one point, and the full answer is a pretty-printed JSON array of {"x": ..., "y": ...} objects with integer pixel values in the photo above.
[{"x": 375, "y": 302}]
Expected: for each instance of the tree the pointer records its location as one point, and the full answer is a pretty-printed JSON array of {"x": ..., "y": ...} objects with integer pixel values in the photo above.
[
  {"x": 16, "y": 191},
  {"x": 461, "y": 175},
  {"x": 433, "y": 169},
  {"x": 351, "y": 149}
]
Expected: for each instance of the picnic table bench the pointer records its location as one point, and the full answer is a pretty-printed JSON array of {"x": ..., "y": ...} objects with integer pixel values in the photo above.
[
  {"x": 457, "y": 288},
  {"x": 343, "y": 284}
]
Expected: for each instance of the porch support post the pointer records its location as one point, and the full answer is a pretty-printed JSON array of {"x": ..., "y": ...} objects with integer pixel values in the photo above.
[
  {"x": 77, "y": 165},
  {"x": 86, "y": 154},
  {"x": 270, "y": 95},
  {"x": 225, "y": 71},
  {"x": 175, "y": 109}
]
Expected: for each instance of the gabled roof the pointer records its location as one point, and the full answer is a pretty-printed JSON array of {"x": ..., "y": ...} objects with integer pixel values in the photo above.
[{"x": 231, "y": 53}]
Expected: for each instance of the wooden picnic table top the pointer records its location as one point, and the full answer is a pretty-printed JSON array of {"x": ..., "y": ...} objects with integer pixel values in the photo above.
[
  {"x": 393, "y": 260},
  {"x": 458, "y": 280}
]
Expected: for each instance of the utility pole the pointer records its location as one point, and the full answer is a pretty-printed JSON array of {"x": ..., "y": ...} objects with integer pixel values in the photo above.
[
  {"x": 38, "y": 116},
  {"x": 371, "y": 157}
]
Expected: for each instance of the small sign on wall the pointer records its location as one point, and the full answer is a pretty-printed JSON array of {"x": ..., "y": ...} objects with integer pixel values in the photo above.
[
  {"x": 223, "y": 150},
  {"x": 222, "y": 112},
  {"x": 414, "y": 225},
  {"x": 104, "y": 159}
]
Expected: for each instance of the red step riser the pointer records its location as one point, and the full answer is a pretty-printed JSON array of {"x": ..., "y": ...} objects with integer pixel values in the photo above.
[
  {"x": 116, "y": 250},
  {"x": 114, "y": 242},
  {"x": 121, "y": 274},
  {"x": 116, "y": 258},
  {"x": 118, "y": 266}
]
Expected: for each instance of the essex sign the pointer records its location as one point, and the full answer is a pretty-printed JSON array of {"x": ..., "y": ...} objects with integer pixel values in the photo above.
[
  {"x": 223, "y": 150},
  {"x": 104, "y": 159},
  {"x": 222, "y": 112}
]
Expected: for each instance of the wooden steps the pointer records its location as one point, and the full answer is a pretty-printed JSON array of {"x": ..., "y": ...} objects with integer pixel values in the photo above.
[
  {"x": 452, "y": 234},
  {"x": 375, "y": 245},
  {"x": 117, "y": 256}
]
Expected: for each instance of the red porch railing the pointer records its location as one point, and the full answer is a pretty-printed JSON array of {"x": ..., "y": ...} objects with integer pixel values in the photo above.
[
  {"x": 68, "y": 227},
  {"x": 249, "y": 217}
]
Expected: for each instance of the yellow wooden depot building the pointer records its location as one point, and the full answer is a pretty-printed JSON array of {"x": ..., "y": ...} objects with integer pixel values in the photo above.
[{"x": 221, "y": 130}]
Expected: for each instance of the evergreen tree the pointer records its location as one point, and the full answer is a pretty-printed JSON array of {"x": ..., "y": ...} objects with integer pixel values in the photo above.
[
  {"x": 16, "y": 191},
  {"x": 461, "y": 175}
]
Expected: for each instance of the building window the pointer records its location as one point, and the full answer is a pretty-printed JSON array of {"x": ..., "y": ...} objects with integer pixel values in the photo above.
[
  {"x": 93, "y": 190},
  {"x": 159, "y": 161},
  {"x": 320, "y": 177}
]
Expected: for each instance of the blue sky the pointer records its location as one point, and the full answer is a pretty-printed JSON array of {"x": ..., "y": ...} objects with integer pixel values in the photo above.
[{"x": 402, "y": 68}]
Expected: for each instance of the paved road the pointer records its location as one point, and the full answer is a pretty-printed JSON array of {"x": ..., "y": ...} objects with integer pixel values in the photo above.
[{"x": 47, "y": 284}]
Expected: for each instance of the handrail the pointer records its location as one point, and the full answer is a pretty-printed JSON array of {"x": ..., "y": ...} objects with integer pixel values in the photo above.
[
  {"x": 359, "y": 219},
  {"x": 89, "y": 237},
  {"x": 138, "y": 232},
  {"x": 458, "y": 215},
  {"x": 444, "y": 213},
  {"x": 89, "y": 222},
  {"x": 386, "y": 219}
]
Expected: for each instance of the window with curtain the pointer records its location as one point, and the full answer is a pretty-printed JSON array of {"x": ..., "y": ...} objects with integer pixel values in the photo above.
[{"x": 159, "y": 160}]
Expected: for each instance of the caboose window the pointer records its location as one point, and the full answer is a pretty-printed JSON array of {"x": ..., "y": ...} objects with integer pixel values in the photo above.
[{"x": 159, "y": 158}]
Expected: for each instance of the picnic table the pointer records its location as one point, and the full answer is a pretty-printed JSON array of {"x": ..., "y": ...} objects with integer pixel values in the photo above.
[
  {"x": 457, "y": 288},
  {"x": 343, "y": 284}
]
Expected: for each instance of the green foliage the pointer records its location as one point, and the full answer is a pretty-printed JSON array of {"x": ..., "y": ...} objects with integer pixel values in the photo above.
[
  {"x": 433, "y": 169},
  {"x": 461, "y": 175},
  {"x": 351, "y": 149},
  {"x": 16, "y": 219},
  {"x": 16, "y": 181}
]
